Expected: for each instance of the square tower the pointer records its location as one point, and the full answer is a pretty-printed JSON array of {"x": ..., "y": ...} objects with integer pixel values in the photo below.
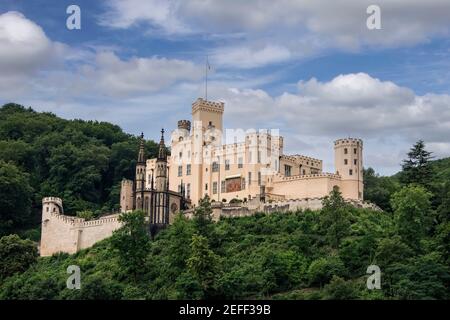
[{"x": 209, "y": 113}]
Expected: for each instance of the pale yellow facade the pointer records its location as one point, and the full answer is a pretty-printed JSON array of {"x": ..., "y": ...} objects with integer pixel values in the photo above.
[{"x": 244, "y": 164}]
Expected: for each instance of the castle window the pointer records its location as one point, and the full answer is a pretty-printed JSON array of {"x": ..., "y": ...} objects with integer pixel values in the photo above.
[
  {"x": 354, "y": 150},
  {"x": 249, "y": 178},
  {"x": 355, "y": 161},
  {"x": 214, "y": 187},
  {"x": 259, "y": 156},
  {"x": 243, "y": 184},
  {"x": 180, "y": 171},
  {"x": 259, "y": 178},
  {"x": 287, "y": 170},
  {"x": 210, "y": 123},
  {"x": 345, "y": 151},
  {"x": 240, "y": 163},
  {"x": 227, "y": 164},
  {"x": 206, "y": 186},
  {"x": 345, "y": 161},
  {"x": 180, "y": 139},
  {"x": 188, "y": 191},
  {"x": 47, "y": 209},
  {"x": 222, "y": 186},
  {"x": 350, "y": 172},
  {"x": 304, "y": 171},
  {"x": 215, "y": 166},
  {"x": 180, "y": 155},
  {"x": 188, "y": 170}
]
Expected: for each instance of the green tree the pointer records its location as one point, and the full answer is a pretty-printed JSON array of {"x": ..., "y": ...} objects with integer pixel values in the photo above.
[
  {"x": 204, "y": 264},
  {"x": 411, "y": 213},
  {"x": 16, "y": 255},
  {"x": 15, "y": 198},
  {"x": 132, "y": 242},
  {"x": 417, "y": 169},
  {"x": 378, "y": 189},
  {"x": 321, "y": 270},
  {"x": 339, "y": 289},
  {"x": 203, "y": 217},
  {"x": 334, "y": 217}
]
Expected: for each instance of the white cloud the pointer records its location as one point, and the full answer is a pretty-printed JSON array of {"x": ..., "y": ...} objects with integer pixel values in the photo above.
[
  {"x": 386, "y": 115},
  {"x": 246, "y": 57},
  {"x": 276, "y": 28},
  {"x": 114, "y": 76},
  {"x": 24, "y": 50},
  {"x": 159, "y": 14}
]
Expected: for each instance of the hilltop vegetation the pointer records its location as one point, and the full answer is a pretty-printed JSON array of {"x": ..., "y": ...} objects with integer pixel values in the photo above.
[
  {"x": 307, "y": 254},
  {"x": 297, "y": 255},
  {"x": 80, "y": 161}
]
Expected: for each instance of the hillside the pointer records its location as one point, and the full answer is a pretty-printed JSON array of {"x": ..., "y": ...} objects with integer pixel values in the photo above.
[{"x": 80, "y": 161}]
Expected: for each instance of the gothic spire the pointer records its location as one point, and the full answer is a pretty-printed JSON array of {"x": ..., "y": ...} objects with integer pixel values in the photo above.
[
  {"x": 162, "y": 154},
  {"x": 141, "y": 155}
]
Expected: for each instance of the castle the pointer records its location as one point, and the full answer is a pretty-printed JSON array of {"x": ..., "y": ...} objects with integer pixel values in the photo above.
[
  {"x": 248, "y": 173},
  {"x": 255, "y": 167}
]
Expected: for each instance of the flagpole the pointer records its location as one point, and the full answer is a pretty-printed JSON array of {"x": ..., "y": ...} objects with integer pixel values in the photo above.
[{"x": 206, "y": 79}]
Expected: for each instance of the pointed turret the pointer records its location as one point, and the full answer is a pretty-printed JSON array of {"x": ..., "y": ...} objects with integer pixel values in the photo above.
[
  {"x": 141, "y": 155},
  {"x": 140, "y": 175},
  {"x": 162, "y": 153},
  {"x": 161, "y": 181}
]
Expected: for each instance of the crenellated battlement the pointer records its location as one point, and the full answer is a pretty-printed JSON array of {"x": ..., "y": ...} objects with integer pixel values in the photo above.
[
  {"x": 184, "y": 124},
  {"x": 56, "y": 200},
  {"x": 307, "y": 176},
  {"x": 297, "y": 157},
  {"x": 212, "y": 106},
  {"x": 348, "y": 141}
]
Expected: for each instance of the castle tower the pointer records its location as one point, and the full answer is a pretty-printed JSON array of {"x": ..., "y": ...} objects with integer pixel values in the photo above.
[
  {"x": 209, "y": 113},
  {"x": 348, "y": 161},
  {"x": 161, "y": 181},
  {"x": 140, "y": 175},
  {"x": 126, "y": 195},
  {"x": 50, "y": 233}
]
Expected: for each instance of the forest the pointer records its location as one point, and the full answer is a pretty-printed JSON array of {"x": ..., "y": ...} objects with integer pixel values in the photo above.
[{"x": 321, "y": 254}]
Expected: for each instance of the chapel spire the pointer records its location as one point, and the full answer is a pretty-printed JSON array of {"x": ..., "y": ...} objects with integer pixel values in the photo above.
[
  {"x": 162, "y": 153},
  {"x": 141, "y": 155}
]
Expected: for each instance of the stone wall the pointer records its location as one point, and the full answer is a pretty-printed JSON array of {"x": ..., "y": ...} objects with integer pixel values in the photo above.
[{"x": 61, "y": 233}]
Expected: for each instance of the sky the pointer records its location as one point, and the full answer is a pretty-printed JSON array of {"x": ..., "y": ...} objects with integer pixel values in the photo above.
[{"x": 312, "y": 69}]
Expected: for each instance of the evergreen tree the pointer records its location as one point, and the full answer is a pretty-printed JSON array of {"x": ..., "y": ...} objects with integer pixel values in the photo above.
[{"x": 417, "y": 169}]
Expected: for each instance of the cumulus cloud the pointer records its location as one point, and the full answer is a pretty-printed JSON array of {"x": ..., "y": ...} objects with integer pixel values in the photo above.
[
  {"x": 348, "y": 105},
  {"x": 24, "y": 49}
]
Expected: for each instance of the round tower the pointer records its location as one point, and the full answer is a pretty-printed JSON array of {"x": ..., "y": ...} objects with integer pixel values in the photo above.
[
  {"x": 348, "y": 161},
  {"x": 52, "y": 205},
  {"x": 184, "y": 124}
]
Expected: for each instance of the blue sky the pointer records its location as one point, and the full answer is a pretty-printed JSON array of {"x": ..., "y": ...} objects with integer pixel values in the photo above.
[{"x": 311, "y": 69}]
